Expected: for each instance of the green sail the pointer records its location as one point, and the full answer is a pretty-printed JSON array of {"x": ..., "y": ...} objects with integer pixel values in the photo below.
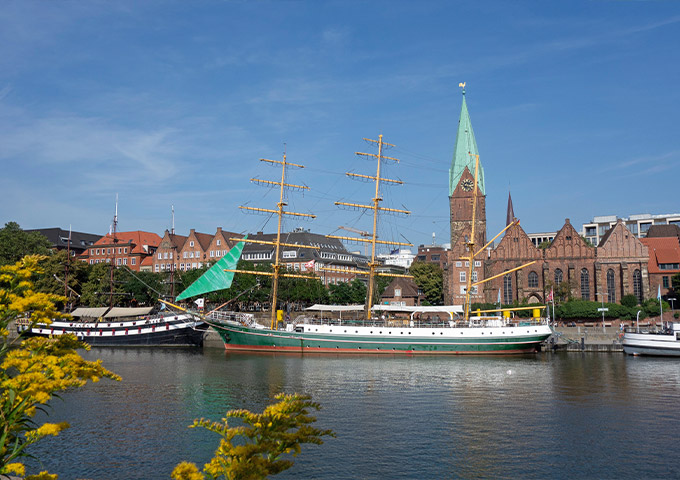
[{"x": 215, "y": 278}]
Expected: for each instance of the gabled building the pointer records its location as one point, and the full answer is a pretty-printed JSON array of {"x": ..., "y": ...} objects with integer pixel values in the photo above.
[
  {"x": 664, "y": 262},
  {"x": 167, "y": 255},
  {"x": 402, "y": 292},
  {"x": 193, "y": 253},
  {"x": 125, "y": 248},
  {"x": 617, "y": 266}
]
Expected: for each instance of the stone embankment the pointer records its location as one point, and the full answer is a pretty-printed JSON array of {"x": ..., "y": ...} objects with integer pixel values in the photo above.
[{"x": 586, "y": 339}]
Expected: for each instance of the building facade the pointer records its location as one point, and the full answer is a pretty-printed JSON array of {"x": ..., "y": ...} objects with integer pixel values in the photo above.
[
  {"x": 124, "y": 248},
  {"x": 568, "y": 266},
  {"x": 638, "y": 225}
]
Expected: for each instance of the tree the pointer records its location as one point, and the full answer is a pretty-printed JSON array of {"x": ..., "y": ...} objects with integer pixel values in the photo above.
[
  {"x": 54, "y": 268},
  {"x": 629, "y": 300},
  {"x": 16, "y": 243},
  {"x": 430, "y": 280},
  {"x": 262, "y": 441},
  {"x": 38, "y": 369}
]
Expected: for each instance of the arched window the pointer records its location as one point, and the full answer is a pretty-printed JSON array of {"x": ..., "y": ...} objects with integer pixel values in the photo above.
[
  {"x": 585, "y": 284},
  {"x": 611, "y": 287},
  {"x": 637, "y": 285},
  {"x": 533, "y": 280},
  {"x": 558, "y": 277},
  {"x": 507, "y": 289}
]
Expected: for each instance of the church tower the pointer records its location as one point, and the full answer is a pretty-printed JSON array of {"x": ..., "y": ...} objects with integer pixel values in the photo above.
[{"x": 461, "y": 194}]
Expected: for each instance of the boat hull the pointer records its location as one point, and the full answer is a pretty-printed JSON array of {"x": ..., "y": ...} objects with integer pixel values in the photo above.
[
  {"x": 666, "y": 345},
  {"x": 170, "y": 330},
  {"x": 381, "y": 340}
]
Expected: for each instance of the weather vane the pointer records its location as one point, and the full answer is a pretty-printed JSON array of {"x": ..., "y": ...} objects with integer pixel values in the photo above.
[{"x": 462, "y": 85}]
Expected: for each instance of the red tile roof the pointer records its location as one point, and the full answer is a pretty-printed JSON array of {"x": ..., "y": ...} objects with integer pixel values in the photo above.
[
  {"x": 662, "y": 250},
  {"x": 138, "y": 237}
]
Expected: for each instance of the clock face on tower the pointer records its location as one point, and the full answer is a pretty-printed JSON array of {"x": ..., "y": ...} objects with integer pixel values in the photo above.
[{"x": 468, "y": 185}]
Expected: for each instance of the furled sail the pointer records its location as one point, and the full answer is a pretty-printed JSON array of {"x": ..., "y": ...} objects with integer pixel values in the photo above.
[{"x": 215, "y": 278}]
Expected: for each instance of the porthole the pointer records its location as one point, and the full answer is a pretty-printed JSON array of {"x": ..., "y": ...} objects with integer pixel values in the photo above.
[
  {"x": 441, "y": 333},
  {"x": 409, "y": 333},
  {"x": 401, "y": 333},
  {"x": 432, "y": 333},
  {"x": 345, "y": 331},
  {"x": 356, "y": 331},
  {"x": 380, "y": 332}
]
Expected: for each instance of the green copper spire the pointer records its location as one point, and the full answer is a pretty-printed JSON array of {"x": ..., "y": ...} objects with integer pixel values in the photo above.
[{"x": 465, "y": 151}]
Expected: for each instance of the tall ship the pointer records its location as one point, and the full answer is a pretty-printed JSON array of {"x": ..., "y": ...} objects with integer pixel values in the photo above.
[
  {"x": 115, "y": 326},
  {"x": 456, "y": 331}
]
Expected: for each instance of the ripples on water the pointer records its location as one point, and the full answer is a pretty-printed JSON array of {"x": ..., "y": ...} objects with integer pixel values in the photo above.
[{"x": 561, "y": 416}]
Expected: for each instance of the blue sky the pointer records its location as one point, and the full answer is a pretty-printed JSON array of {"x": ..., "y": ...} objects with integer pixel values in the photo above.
[{"x": 575, "y": 107}]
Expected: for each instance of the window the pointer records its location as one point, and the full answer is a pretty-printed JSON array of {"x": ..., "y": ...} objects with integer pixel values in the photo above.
[
  {"x": 120, "y": 250},
  {"x": 289, "y": 254},
  {"x": 585, "y": 284},
  {"x": 474, "y": 275},
  {"x": 397, "y": 292},
  {"x": 669, "y": 266},
  {"x": 507, "y": 289},
  {"x": 644, "y": 227},
  {"x": 637, "y": 285},
  {"x": 157, "y": 267},
  {"x": 435, "y": 258},
  {"x": 108, "y": 251},
  {"x": 185, "y": 254},
  {"x": 558, "y": 277},
  {"x": 92, "y": 261},
  {"x": 125, "y": 261},
  {"x": 478, "y": 263},
  {"x": 611, "y": 287},
  {"x": 462, "y": 276},
  {"x": 422, "y": 258},
  {"x": 533, "y": 280},
  {"x": 459, "y": 264},
  {"x": 125, "y": 250},
  {"x": 191, "y": 243},
  {"x": 133, "y": 261},
  {"x": 170, "y": 255},
  {"x": 97, "y": 252},
  {"x": 212, "y": 253},
  {"x": 219, "y": 242},
  {"x": 665, "y": 282},
  {"x": 165, "y": 255}
]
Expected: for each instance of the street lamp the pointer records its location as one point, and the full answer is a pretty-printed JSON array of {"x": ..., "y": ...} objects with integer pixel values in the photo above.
[{"x": 603, "y": 309}]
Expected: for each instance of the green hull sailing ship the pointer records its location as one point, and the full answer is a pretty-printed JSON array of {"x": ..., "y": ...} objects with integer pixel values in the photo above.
[{"x": 466, "y": 334}]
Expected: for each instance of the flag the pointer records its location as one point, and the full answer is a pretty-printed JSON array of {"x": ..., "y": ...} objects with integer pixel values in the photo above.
[
  {"x": 550, "y": 295},
  {"x": 499, "y": 296},
  {"x": 658, "y": 295},
  {"x": 199, "y": 302},
  {"x": 309, "y": 265}
]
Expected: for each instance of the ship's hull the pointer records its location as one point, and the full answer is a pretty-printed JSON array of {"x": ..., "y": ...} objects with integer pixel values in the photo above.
[
  {"x": 386, "y": 340},
  {"x": 666, "y": 345},
  {"x": 171, "y": 330}
]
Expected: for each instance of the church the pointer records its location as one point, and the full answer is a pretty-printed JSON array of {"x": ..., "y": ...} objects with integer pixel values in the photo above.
[{"x": 610, "y": 270}]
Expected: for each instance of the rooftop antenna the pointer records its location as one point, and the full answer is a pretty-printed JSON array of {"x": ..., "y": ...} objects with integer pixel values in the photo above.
[{"x": 433, "y": 240}]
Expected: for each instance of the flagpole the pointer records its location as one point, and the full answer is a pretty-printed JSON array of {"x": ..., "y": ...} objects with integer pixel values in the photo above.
[{"x": 658, "y": 295}]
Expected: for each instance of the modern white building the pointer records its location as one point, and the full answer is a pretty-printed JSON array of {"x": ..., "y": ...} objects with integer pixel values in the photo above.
[
  {"x": 637, "y": 224},
  {"x": 402, "y": 257}
]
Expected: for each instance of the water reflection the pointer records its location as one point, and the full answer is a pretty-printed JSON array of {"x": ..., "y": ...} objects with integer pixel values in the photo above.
[{"x": 564, "y": 415}]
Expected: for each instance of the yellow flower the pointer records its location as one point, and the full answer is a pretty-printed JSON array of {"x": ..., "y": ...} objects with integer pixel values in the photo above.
[{"x": 17, "y": 468}]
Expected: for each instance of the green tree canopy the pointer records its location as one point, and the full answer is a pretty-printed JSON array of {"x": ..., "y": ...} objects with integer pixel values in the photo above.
[
  {"x": 430, "y": 280},
  {"x": 15, "y": 244}
]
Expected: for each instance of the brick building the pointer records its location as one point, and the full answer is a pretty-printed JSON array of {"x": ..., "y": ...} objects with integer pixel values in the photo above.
[
  {"x": 664, "y": 262},
  {"x": 402, "y": 292},
  {"x": 194, "y": 252},
  {"x": 617, "y": 266},
  {"x": 126, "y": 248}
]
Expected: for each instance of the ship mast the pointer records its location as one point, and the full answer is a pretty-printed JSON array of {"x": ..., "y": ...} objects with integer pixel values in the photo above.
[
  {"x": 376, "y": 208},
  {"x": 279, "y": 212}
]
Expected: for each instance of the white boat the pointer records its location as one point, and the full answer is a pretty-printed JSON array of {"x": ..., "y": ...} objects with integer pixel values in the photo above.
[{"x": 665, "y": 342}]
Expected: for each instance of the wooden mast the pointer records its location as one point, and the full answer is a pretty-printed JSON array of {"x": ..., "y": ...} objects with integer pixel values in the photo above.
[
  {"x": 375, "y": 207},
  {"x": 279, "y": 212}
]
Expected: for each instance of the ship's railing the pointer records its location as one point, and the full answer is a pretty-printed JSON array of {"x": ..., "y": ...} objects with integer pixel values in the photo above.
[
  {"x": 240, "y": 317},
  {"x": 474, "y": 322}
]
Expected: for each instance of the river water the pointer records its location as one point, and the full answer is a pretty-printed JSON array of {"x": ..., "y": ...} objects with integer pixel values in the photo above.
[{"x": 566, "y": 415}]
